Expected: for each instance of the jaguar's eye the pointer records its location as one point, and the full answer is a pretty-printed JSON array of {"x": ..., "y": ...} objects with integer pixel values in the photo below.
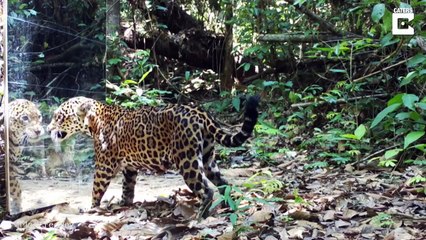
[{"x": 25, "y": 118}]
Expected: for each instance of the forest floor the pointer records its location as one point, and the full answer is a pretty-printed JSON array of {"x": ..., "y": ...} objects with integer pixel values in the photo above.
[{"x": 349, "y": 202}]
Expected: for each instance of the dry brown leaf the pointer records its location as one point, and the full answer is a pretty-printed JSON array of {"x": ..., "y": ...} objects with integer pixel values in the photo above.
[
  {"x": 209, "y": 233},
  {"x": 209, "y": 222},
  {"x": 308, "y": 224},
  {"x": 184, "y": 210},
  {"x": 139, "y": 230},
  {"x": 261, "y": 216},
  {"x": 239, "y": 172},
  {"x": 300, "y": 214},
  {"x": 349, "y": 168},
  {"x": 227, "y": 236},
  {"x": 26, "y": 221},
  {"x": 399, "y": 234},
  {"x": 329, "y": 215},
  {"x": 283, "y": 234},
  {"x": 271, "y": 238},
  {"x": 106, "y": 229},
  {"x": 349, "y": 213},
  {"x": 341, "y": 224},
  {"x": 296, "y": 232},
  {"x": 341, "y": 204}
]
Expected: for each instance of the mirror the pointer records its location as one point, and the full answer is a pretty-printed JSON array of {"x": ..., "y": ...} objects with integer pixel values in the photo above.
[{"x": 56, "y": 50}]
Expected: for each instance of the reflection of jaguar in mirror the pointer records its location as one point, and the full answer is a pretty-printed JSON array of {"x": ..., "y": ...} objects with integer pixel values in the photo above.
[
  {"x": 150, "y": 138},
  {"x": 25, "y": 125}
]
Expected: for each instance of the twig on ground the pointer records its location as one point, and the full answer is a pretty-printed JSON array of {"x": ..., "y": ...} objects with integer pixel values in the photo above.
[
  {"x": 379, "y": 71},
  {"x": 376, "y": 153},
  {"x": 340, "y": 100}
]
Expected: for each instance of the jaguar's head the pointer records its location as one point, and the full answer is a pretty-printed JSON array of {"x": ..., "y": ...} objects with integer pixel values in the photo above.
[
  {"x": 25, "y": 120},
  {"x": 69, "y": 118}
]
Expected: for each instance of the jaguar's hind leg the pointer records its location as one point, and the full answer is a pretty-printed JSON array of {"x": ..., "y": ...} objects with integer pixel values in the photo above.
[
  {"x": 211, "y": 168},
  {"x": 129, "y": 182},
  {"x": 15, "y": 194},
  {"x": 191, "y": 168}
]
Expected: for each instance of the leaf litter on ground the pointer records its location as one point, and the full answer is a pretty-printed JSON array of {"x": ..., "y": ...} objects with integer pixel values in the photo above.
[{"x": 330, "y": 203}]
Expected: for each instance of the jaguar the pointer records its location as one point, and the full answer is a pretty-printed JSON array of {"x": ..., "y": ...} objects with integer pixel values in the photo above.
[
  {"x": 152, "y": 138},
  {"x": 25, "y": 125}
]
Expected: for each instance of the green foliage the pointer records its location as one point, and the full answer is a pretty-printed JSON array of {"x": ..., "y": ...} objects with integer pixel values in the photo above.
[
  {"x": 298, "y": 199},
  {"x": 316, "y": 164},
  {"x": 51, "y": 235},
  {"x": 234, "y": 205},
  {"x": 382, "y": 220},
  {"x": 131, "y": 72},
  {"x": 405, "y": 112},
  {"x": 358, "y": 133},
  {"x": 233, "y": 197},
  {"x": 416, "y": 180},
  {"x": 263, "y": 182}
]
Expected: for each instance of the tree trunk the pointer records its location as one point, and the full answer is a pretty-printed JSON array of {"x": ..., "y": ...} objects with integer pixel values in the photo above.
[
  {"x": 113, "y": 17},
  {"x": 227, "y": 80},
  {"x": 3, "y": 197}
]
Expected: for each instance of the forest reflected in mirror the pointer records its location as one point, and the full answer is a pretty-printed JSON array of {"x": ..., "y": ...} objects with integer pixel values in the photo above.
[{"x": 56, "y": 50}]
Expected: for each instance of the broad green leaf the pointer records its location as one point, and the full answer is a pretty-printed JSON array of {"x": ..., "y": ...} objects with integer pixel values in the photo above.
[
  {"x": 236, "y": 103},
  {"x": 216, "y": 203},
  {"x": 416, "y": 116},
  {"x": 416, "y": 60},
  {"x": 337, "y": 49},
  {"x": 227, "y": 192},
  {"x": 378, "y": 12},
  {"x": 396, "y": 99},
  {"x": 145, "y": 75},
  {"x": 22, "y": 6},
  {"x": 233, "y": 218},
  {"x": 349, "y": 136},
  {"x": 384, "y": 113},
  {"x": 246, "y": 67},
  {"x": 269, "y": 83},
  {"x": 422, "y": 105},
  {"x": 421, "y": 147},
  {"x": 129, "y": 81},
  {"x": 388, "y": 39},
  {"x": 412, "y": 137},
  {"x": 402, "y": 116},
  {"x": 387, "y": 21},
  {"x": 392, "y": 153},
  {"x": 404, "y": 5},
  {"x": 409, "y": 99},
  {"x": 187, "y": 75},
  {"x": 360, "y": 131},
  {"x": 232, "y": 204},
  {"x": 408, "y": 78},
  {"x": 113, "y": 61}
]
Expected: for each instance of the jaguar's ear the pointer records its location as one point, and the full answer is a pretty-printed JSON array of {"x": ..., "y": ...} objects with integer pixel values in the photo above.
[{"x": 84, "y": 108}]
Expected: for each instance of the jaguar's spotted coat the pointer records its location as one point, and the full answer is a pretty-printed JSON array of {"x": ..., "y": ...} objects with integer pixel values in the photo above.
[
  {"x": 25, "y": 124},
  {"x": 150, "y": 138}
]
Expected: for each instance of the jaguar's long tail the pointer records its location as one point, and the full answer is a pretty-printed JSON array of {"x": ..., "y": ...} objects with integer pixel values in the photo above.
[{"x": 250, "y": 118}]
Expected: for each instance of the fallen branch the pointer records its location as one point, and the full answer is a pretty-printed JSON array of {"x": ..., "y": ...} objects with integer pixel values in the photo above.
[
  {"x": 298, "y": 38},
  {"x": 326, "y": 25},
  {"x": 381, "y": 151},
  {"x": 340, "y": 100},
  {"x": 379, "y": 71},
  {"x": 250, "y": 79}
]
